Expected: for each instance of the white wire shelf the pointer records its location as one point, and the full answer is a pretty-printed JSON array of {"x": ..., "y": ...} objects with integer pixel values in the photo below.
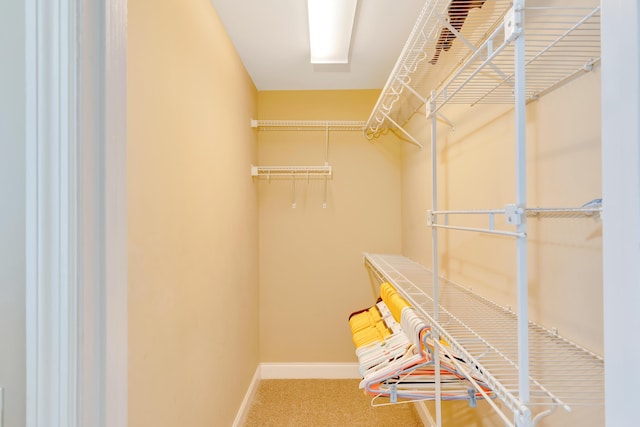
[
  {"x": 307, "y": 125},
  {"x": 477, "y": 64},
  {"x": 531, "y": 212},
  {"x": 590, "y": 212},
  {"x": 484, "y": 335},
  {"x": 561, "y": 43},
  {"x": 291, "y": 171}
]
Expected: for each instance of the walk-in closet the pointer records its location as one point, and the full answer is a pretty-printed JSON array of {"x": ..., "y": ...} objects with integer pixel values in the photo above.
[
  {"x": 442, "y": 222},
  {"x": 438, "y": 237}
]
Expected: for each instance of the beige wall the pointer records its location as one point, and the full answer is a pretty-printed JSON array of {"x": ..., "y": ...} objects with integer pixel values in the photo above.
[
  {"x": 192, "y": 215},
  {"x": 476, "y": 171},
  {"x": 311, "y": 270},
  {"x": 12, "y": 221}
]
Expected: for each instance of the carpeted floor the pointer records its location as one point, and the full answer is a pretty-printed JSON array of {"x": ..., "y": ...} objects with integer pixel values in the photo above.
[{"x": 326, "y": 403}]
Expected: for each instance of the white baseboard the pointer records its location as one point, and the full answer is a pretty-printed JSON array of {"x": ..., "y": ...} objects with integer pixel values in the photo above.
[
  {"x": 241, "y": 416},
  {"x": 310, "y": 371}
]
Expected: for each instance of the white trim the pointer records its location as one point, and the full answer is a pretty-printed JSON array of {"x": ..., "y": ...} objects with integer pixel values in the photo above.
[
  {"x": 51, "y": 221},
  {"x": 310, "y": 370},
  {"x": 1, "y": 406},
  {"x": 241, "y": 416},
  {"x": 621, "y": 203},
  {"x": 115, "y": 211},
  {"x": 76, "y": 273}
]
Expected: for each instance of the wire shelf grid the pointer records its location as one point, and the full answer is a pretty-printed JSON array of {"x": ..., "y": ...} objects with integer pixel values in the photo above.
[
  {"x": 561, "y": 43},
  {"x": 484, "y": 335},
  {"x": 308, "y": 125},
  {"x": 291, "y": 171},
  {"x": 478, "y": 67},
  {"x": 423, "y": 57}
]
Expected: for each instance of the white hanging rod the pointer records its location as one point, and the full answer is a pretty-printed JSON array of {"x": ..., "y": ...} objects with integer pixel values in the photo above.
[
  {"x": 291, "y": 171},
  {"x": 481, "y": 230},
  {"x": 267, "y": 125}
]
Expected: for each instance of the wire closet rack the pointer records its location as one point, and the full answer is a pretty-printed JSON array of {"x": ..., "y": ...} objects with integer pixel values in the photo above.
[
  {"x": 302, "y": 172},
  {"x": 493, "y": 52},
  {"x": 308, "y": 125},
  {"x": 484, "y": 335},
  {"x": 462, "y": 51}
]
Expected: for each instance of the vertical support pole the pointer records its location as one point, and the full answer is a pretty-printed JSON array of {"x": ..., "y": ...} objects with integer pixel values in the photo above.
[
  {"x": 326, "y": 144},
  {"x": 326, "y": 184},
  {"x": 293, "y": 192},
  {"x": 434, "y": 241},
  {"x": 521, "y": 202},
  {"x": 326, "y": 163}
]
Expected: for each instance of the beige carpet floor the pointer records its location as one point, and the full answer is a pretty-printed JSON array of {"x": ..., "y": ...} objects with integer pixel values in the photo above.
[{"x": 289, "y": 403}]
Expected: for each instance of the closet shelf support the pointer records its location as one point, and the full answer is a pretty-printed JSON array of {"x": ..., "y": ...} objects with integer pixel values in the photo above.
[{"x": 412, "y": 140}]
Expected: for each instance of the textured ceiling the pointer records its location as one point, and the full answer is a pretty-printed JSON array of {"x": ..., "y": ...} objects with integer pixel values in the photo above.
[{"x": 271, "y": 37}]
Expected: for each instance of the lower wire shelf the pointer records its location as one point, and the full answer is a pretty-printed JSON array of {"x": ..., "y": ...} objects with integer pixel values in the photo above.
[{"x": 484, "y": 335}]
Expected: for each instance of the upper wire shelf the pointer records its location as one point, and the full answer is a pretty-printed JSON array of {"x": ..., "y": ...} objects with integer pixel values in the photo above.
[
  {"x": 460, "y": 51},
  {"x": 484, "y": 335},
  {"x": 594, "y": 212},
  {"x": 301, "y": 125},
  {"x": 291, "y": 171}
]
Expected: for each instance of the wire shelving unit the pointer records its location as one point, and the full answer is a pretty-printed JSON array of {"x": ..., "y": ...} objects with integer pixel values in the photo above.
[
  {"x": 562, "y": 43},
  {"x": 484, "y": 335},
  {"x": 493, "y": 52},
  {"x": 302, "y": 172}
]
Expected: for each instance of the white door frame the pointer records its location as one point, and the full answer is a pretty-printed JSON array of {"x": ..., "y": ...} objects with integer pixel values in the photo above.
[
  {"x": 76, "y": 278},
  {"x": 621, "y": 200}
]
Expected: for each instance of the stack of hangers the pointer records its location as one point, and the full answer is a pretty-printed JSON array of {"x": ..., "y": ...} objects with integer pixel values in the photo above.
[
  {"x": 376, "y": 323},
  {"x": 395, "y": 353}
]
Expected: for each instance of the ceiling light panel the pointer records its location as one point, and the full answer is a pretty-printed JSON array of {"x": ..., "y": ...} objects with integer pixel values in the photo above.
[{"x": 330, "y": 28}]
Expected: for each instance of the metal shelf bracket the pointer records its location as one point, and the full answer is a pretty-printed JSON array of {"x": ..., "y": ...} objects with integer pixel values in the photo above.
[
  {"x": 431, "y": 218},
  {"x": 513, "y": 214},
  {"x": 513, "y": 23}
]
